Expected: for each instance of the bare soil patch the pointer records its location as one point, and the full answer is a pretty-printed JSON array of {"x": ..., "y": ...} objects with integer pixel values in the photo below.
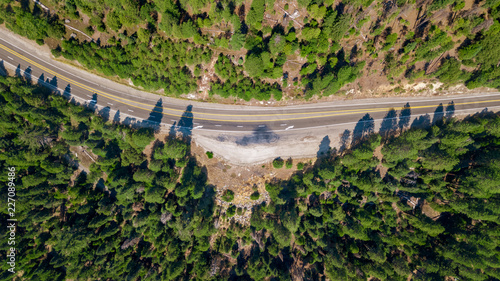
[{"x": 242, "y": 180}]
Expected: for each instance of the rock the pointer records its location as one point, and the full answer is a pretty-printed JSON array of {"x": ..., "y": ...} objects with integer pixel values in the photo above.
[
  {"x": 165, "y": 217},
  {"x": 130, "y": 242}
]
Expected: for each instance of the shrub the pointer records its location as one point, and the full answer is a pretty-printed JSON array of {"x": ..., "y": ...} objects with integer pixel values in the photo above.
[
  {"x": 255, "y": 196},
  {"x": 300, "y": 166},
  {"x": 210, "y": 154},
  {"x": 278, "y": 163},
  {"x": 231, "y": 211},
  {"x": 228, "y": 196},
  {"x": 289, "y": 163}
]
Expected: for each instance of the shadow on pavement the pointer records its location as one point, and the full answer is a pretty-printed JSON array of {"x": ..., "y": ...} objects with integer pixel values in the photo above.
[
  {"x": 116, "y": 118},
  {"x": 421, "y": 122},
  {"x": 184, "y": 126},
  {"x": 104, "y": 113},
  {"x": 450, "y": 110},
  {"x": 18, "y": 71},
  {"x": 260, "y": 135},
  {"x": 438, "y": 114},
  {"x": 404, "y": 117},
  {"x": 129, "y": 121},
  {"x": 363, "y": 128},
  {"x": 172, "y": 132},
  {"x": 344, "y": 140},
  {"x": 324, "y": 147},
  {"x": 41, "y": 80},
  {"x": 53, "y": 83},
  {"x": 154, "y": 119},
  {"x": 67, "y": 91},
  {"x": 389, "y": 124},
  {"x": 27, "y": 74},
  {"x": 92, "y": 104},
  {"x": 3, "y": 71}
]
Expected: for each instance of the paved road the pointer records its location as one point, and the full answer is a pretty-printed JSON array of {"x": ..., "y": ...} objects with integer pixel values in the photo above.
[{"x": 205, "y": 116}]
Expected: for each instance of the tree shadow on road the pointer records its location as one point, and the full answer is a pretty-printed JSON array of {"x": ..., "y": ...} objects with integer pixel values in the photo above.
[
  {"x": 363, "y": 128},
  {"x": 27, "y": 74},
  {"x": 129, "y": 121},
  {"x": 104, "y": 113},
  {"x": 441, "y": 114},
  {"x": 450, "y": 110},
  {"x": 53, "y": 84},
  {"x": 422, "y": 121},
  {"x": 173, "y": 130},
  {"x": 260, "y": 135},
  {"x": 184, "y": 126},
  {"x": 41, "y": 80},
  {"x": 3, "y": 71},
  {"x": 389, "y": 124},
  {"x": 67, "y": 91},
  {"x": 186, "y": 123},
  {"x": 344, "y": 140},
  {"x": 155, "y": 117},
  {"x": 438, "y": 114},
  {"x": 404, "y": 117},
  {"x": 324, "y": 147},
  {"x": 92, "y": 104},
  {"x": 117, "y": 118},
  {"x": 18, "y": 71}
]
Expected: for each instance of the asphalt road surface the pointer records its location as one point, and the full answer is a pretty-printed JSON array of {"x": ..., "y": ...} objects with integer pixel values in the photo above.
[{"x": 137, "y": 105}]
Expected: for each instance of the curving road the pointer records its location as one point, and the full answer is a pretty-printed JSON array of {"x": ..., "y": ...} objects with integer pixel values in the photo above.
[
  {"x": 227, "y": 118},
  {"x": 263, "y": 125}
]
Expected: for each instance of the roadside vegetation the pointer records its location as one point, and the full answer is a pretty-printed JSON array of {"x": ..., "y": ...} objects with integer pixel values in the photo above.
[
  {"x": 271, "y": 50},
  {"x": 434, "y": 214}
]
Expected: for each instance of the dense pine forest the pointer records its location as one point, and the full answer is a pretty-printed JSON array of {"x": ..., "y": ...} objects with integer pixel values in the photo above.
[
  {"x": 271, "y": 49},
  {"x": 429, "y": 209}
]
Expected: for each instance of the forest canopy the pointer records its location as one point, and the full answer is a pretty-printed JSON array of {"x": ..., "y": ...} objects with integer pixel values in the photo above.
[
  {"x": 433, "y": 215},
  {"x": 276, "y": 50}
]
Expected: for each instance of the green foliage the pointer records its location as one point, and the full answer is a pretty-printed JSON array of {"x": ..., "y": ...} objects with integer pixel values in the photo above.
[
  {"x": 228, "y": 195},
  {"x": 256, "y": 14},
  {"x": 127, "y": 220},
  {"x": 149, "y": 65},
  {"x": 231, "y": 211},
  {"x": 210, "y": 154},
  {"x": 450, "y": 73},
  {"x": 254, "y": 65},
  {"x": 390, "y": 40},
  {"x": 469, "y": 52},
  {"x": 278, "y": 163},
  {"x": 30, "y": 23},
  {"x": 255, "y": 195},
  {"x": 177, "y": 41}
]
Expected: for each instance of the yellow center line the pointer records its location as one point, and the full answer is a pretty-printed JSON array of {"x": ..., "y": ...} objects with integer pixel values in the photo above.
[{"x": 320, "y": 114}]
